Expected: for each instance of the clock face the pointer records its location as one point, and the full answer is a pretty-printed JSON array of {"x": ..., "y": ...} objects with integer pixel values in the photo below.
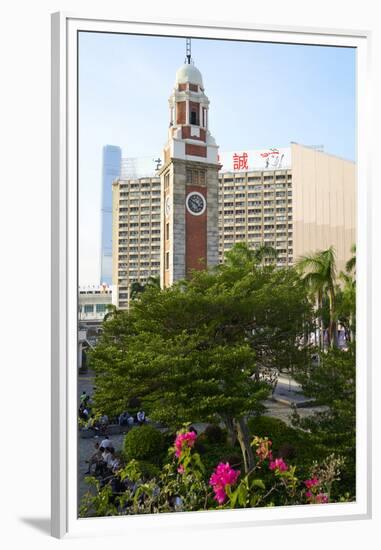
[
  {"x": 167, "y": 206},
  {"x": 195, "y": 203}
]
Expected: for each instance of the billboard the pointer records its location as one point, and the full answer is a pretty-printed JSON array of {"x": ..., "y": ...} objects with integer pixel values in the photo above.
[
  {"x": 140, "y": 167},
  {"x": 272, "y": 158}
]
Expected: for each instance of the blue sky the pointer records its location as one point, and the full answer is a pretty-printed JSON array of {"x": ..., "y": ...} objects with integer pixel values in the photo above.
[{"x": 261, "y": 95}]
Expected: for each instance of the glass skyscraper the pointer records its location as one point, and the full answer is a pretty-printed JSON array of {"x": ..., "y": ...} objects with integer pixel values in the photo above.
[{"x": 112, "y": 155}]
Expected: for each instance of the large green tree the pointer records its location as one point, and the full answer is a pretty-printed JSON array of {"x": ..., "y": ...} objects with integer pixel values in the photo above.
[{"x": 194, "y": 352}]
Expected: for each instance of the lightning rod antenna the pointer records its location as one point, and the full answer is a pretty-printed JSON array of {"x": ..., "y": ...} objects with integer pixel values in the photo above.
[{"x": 188, "y": 51}]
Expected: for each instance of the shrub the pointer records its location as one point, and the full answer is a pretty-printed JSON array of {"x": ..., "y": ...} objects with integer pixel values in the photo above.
[
  {"x": 148, "y": 470},
  {"x": 185, "y": 483},
  {"x": 267, "y": 426},
  {"x": 288, "y": 442},
  {"x": 144, "y": 443},
  {"x": 214, "y": 434}
]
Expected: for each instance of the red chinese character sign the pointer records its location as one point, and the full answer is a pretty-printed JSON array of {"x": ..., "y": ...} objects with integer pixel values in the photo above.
[
  {"x": 240, "y": 161},
  {"x": 273, "y": 158}
]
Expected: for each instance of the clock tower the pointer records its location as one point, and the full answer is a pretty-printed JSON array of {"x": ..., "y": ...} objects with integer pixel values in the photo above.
[{"x": 189, "y": 181}]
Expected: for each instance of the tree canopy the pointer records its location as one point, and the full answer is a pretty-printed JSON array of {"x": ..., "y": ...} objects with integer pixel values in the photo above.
[{"x": 193, "y": 352}]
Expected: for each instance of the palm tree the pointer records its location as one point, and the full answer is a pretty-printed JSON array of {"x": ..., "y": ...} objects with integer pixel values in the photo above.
[
  {"x": 265, "y": 251},
  {"x": 241, "y": 255},
  {"x": 351, "y": 263},
  {"x": 319, "y": 274}
]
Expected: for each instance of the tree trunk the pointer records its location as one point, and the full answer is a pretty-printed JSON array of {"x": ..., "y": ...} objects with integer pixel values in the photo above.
[
  {"x": 351, "y": 331},
  {"x": 243, "y": 436},
  {"x": 232, "y": 434},
  {"x": 321, "y": 325},
  {"x": 332, "y": 320}
]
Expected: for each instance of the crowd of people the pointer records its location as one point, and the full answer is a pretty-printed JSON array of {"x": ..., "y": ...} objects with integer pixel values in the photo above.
[
  {"x": 100, "y": 424},
  {"x": 104, "y": 459},
  {"x": 105, "y": 463}
]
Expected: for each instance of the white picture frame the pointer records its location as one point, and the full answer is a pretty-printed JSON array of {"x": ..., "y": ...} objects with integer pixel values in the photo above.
[{"x": 65, "y": 522}]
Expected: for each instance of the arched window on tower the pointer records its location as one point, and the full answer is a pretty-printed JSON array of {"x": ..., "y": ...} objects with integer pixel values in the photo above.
[
  {"x": 194, "y": 113},
  {"x": 193, "y": 118}
]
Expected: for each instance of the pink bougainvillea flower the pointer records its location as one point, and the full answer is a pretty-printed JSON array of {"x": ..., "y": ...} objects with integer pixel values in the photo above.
[
  {"x": 321, "y": 498},
  {"x": 311, "y": 482},
  {"x": 223, "y": 476},
  {"x": 308, "y": 494},
  {"x": 183, "y": 440},
  {"x": 181, "y": 469},
  {"x": 278, "y": 464}
]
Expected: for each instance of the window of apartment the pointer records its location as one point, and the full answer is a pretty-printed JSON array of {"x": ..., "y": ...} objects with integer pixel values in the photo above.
[
  {"x": 100, "y": 308},
  {"x": 88, "y": 308},
  {"x": 167, "y": 260},
  {"x": 254, "y": 203},
  {"x": 254, "y": 227},
  {"x": 167, "y": 231}
]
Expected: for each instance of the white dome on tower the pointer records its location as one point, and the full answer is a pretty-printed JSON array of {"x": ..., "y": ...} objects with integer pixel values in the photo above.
[{"x": 189, "y": 73}]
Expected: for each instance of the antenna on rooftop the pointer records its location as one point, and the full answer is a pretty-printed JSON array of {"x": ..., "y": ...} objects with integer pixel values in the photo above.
[{"x": 188, "y": 51}]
